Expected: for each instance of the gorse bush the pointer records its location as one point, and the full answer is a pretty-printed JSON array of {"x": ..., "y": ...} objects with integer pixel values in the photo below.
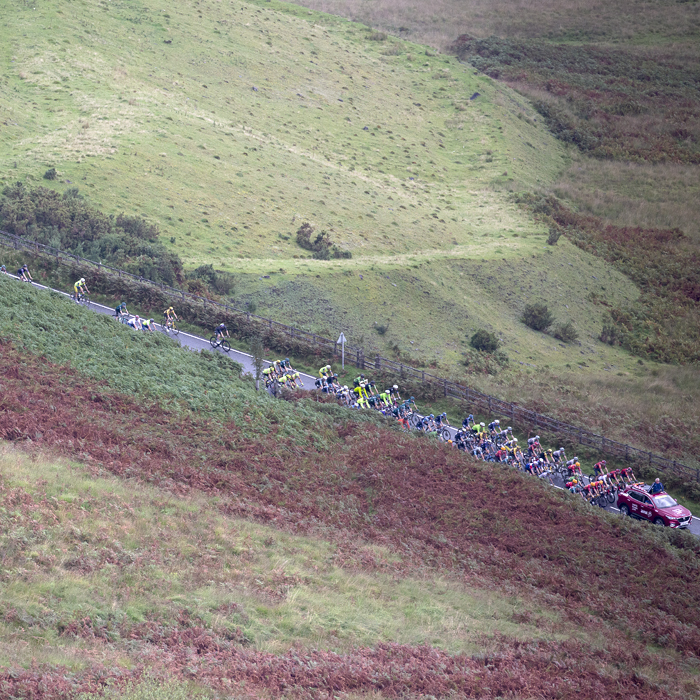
[
  {"x": 223, "y": 283},
  {"x": 484, "y": 341},
  {"x": 322, "y": 246},
  {"x": 566, "y": 332},
  {"x": 538, "y": 317}
]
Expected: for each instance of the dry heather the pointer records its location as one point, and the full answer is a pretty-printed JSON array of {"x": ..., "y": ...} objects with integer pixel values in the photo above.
[{"x": 432, "y": 506}]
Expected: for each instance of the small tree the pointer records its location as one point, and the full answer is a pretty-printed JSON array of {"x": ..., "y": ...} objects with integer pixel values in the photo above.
[
  {"x": 554, "y": 234},
  {"x": 566, "y": 332},
  {"x": 257, "y": 351},
  {"x": 538, "y": 317},
  {"x": 484, "y": 341}
]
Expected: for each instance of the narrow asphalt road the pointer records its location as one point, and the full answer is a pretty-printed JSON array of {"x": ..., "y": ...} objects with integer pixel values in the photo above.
[{"x": 195, "y": 342}]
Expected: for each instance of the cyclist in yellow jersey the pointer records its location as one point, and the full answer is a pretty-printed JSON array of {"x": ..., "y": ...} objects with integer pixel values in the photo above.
[
  {"x": 324, "y": 371},
  {"x": 80, "y": 288}
]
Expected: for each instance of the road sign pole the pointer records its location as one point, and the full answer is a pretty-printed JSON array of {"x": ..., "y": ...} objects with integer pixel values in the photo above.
[{"x": 341, "y": 340}]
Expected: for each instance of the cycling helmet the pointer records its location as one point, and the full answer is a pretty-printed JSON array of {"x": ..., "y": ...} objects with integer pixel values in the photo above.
[
  {"x": 432, "y": 416},
  {"x": 137, "y": 316},
  {"x": 152, "y": 321},
  {"x": 483, "y": 425},
  {"x": 537, "y": 437},
  {"x": 578, "y": 464},
  {"x": 604, "y": 462},
  {"x": 443, "y": 415},
  {"x": 286, "y": 359},
  {"x": 412, "y": 399},
  {"x": 508, "y": 428},
  {"x": 362, "y": 375},
  {"x": 396, "y": 386},
  {"x": 515, "y": 439},
  {"x": 82, "y": 279},
  {"x": 574, "y": 481},
  {"x": 497, "y": 422}
]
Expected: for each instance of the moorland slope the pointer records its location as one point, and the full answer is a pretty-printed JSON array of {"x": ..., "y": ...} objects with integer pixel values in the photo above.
[{"x": 211, "y": 535}]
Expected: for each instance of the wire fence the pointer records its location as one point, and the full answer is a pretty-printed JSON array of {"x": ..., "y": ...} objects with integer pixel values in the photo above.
[{"x": 473, "y": 400}]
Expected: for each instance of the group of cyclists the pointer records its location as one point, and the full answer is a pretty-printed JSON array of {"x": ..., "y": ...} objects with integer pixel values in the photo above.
[
  {"x": 491, "y": 443},
  {"x": 280, "y": 373}
]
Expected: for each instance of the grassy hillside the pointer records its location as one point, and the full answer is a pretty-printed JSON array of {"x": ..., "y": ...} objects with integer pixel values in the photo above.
[
  {"x": 255, "y": 118},
  {"x": 209, "y": 531}
]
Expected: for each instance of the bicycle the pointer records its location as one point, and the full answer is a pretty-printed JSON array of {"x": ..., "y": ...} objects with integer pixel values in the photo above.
[
  {"x": 168, "y": 326},
  {"x": 220, "y": 343},
  {"x": 80, "y": 298}
]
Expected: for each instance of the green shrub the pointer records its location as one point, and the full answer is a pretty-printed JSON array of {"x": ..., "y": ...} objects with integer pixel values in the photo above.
[
  {"x": 50, "y": 174},
  {"x": 554, "y": 234},
  {"x": 538, "y": 317},
  {"x": 484, "y": 341},
  {"x": 566, "y": 332},
  {"x": 382, "y": 328},
  {"x": 322, "y": 246},
  {"x": 70, "y": 223}
]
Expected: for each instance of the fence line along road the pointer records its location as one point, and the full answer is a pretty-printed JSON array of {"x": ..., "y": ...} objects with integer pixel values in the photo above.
[{"x": 474, "y": 399}]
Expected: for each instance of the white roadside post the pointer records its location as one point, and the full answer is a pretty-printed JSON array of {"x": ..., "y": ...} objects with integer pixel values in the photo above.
[{"x": 341, "y": 340}]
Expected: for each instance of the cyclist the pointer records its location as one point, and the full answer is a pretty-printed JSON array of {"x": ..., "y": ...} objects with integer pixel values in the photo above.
[
  {"x": 3, "y": 269},
  {"x": 442, "y": 420},
  {"x": 324, "y": 371},
  {"x": 220, "y": 331},
  {"x": 148, "y": 324},
  {"x": 120, "y": 311},
  {"x": 599, "y": 468},
  {"x": 169, "y": 316},
  {"x": 23, "y": 274},
  {"x": 80, "y": 288},
  {"x": 135, "y": 323},
  {"x": 559, "y": 455},
  {"x": 494, "y": 426}
]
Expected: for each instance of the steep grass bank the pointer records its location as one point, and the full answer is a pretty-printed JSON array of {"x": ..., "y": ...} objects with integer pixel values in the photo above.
[{"x": 387, "y": 502}]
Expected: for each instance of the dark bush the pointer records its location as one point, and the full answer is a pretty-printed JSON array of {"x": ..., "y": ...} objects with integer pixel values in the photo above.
[
  {"x": 219, "y": 281},
  {"x": 538, "y": 317},
  {"x": 322, "y": 246},
  {"x": 554, "y": 234},
  {"x": 50, "y": 174},
  {"x": 382, "y": 328},
  {"x": 70, "y": 223},
  {"x": 566, "y": 332},
  {"x": 484, "y": 341}
]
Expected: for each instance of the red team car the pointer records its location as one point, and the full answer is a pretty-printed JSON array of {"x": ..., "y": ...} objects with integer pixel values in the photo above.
[{"x": 658, "y": 508}]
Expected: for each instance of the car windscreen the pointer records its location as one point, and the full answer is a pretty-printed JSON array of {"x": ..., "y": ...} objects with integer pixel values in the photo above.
[{"x": 664, "y": 501}]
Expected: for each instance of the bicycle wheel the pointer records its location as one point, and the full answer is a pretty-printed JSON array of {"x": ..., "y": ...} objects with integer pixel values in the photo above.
[
  {"x": 226, "y": 346},
  {"x": 445, "y": 434},
  {"x": 214, "y": 342},
  {"x": 174, "y": 329},
  {"x": 611, "y": 497}
]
